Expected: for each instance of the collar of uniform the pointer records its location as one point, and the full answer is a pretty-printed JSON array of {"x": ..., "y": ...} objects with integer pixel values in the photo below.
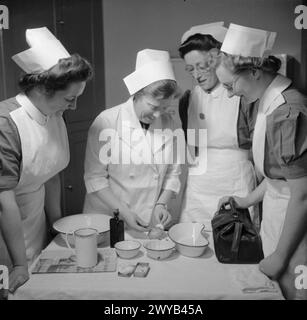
[
  {"x": 32, "y": 111},
  {"x": 215, "y": 92},
  {"x": 273, "y": 91},
  {"x": 130, "y": 118}
]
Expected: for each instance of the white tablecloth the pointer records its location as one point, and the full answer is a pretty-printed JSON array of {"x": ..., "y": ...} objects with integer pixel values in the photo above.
[{"x": 177, "y": 277}]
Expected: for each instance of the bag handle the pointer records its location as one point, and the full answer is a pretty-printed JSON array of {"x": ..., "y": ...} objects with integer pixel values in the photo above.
[
  {"x": 232, "y": 204},
  {"x": 236, "y": 240}
]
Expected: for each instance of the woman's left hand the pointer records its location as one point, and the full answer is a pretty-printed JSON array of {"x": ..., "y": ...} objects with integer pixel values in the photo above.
[
  {"x": 161, "y": 216},
  {"x": 273, "y": 266}
]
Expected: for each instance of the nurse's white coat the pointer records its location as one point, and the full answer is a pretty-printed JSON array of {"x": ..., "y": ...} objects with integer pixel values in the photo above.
[{"x": 137, "y": 185}]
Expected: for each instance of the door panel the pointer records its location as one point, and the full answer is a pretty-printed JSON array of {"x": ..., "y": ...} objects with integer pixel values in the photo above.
[
  {"x": 73, "y": 186},
  {"x": 75, "y": 28},
  {"x": 79, "y": 27}
]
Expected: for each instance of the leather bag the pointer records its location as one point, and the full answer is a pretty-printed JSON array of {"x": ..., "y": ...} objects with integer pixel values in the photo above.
[{"x": 236, "y": 239}]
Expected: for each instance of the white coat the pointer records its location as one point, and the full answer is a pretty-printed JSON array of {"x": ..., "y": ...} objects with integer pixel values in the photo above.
[{"x": 137, "y": 185}]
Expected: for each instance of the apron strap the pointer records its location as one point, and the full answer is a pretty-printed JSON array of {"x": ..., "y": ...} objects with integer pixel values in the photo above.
[{"x": 183, "y": 111}]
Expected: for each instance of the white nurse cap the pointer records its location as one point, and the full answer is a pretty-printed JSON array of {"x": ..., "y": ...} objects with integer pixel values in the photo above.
[
  {"x": 215, "y": 29},
  {"x": 248, "y": 42},
  {"x": 45, "y": 51},
  {"x": 151, "y": 66}
]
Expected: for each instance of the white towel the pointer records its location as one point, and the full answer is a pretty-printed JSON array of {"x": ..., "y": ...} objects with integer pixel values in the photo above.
[{"x": 251, "y": 280}]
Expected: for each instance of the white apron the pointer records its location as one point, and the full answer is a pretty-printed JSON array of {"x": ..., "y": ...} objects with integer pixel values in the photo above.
[
  {"x": 229, "y": 171},
  {"x": 277, "y": 195},
  {"x": 45, "y": 152}
]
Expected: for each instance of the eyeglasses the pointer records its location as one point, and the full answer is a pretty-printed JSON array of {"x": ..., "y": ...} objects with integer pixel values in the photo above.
[
  {"x": 202, "y": 67},
  {"x": 231, "y": 87}
]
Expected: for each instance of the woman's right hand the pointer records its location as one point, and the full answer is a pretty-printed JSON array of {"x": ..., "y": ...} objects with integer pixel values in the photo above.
[
  {"x": 134, "y": 222},
  {"x": 240, "y": 202},
  {"x": 18, "y": 276}
]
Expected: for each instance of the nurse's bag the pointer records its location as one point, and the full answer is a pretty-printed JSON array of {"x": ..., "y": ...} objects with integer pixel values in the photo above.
[{"x": 235, "y": 238}]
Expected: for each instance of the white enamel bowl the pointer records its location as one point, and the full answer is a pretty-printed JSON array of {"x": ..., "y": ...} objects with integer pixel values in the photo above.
[
  {"x": 188, "y": 238},
  {"x": 127, "y": 249},
  {"x": 159, "y": 249},
  {"x": 69, "y": 224}
]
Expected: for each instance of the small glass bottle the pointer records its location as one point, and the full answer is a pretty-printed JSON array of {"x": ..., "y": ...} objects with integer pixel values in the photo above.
[{"x": 117, "y": 232}]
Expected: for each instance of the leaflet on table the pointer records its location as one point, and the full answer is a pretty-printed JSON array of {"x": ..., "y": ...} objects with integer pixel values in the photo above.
[{"x": 63, "y": 261}]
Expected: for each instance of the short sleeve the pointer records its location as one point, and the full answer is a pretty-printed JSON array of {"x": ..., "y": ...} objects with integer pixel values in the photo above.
[
  {"x": 287, "y": 134},
  {"x": 246, "y": 123},
  {"x": 10, "y": 154}
]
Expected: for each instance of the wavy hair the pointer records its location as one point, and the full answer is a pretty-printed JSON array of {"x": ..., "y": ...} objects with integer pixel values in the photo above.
[
  {"x": 237, "y": 64},
  {"x": 59, "y": 77},
  {"x": 200, "y": 42}
]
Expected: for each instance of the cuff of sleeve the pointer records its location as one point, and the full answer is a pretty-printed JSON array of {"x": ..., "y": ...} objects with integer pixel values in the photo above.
[
  {"x": 95, "y": 184},
  {"x": 172, "y": 184},
  {"x": 8, "y": 183},
  {"x": 296, "y": 169}
]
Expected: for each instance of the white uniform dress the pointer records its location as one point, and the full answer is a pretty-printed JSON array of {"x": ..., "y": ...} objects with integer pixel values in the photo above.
[
  {"x": 229, "y": 170},
  {"x": 136, "y": 185},
  {"x": 45, "y": 152}
]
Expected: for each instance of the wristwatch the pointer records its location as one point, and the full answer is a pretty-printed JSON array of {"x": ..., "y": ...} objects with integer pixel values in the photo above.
[{"x": 162, "y": 204}]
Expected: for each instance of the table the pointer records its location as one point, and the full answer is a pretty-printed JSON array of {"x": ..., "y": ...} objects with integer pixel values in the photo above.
[{"x": 177, "y": 277}]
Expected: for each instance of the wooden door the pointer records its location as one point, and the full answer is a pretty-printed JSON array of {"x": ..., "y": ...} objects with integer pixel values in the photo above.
[{"x": 79, "y": 27}]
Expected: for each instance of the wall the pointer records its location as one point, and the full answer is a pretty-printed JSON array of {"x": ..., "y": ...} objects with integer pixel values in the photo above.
[{"x": 132, "y": 25}]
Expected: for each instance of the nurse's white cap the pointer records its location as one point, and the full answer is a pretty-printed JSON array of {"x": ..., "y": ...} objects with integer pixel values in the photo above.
[
  {"x": 248, "y": 42},
  {"x": 215, "y": 29},
  {"x": 151, "y": 66},
  {"x": 45, "y": 51}
]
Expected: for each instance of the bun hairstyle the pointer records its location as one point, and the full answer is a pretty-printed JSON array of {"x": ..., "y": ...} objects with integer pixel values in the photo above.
[
  {"x": 200, "y": 42},
  {"x": 237, "y": 64},
  {"x": 271, "y": 64},
  {"x": 59, "y": 77}
]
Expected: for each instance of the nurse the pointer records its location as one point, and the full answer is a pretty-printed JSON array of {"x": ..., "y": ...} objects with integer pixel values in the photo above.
[
  {"x": 279, "y": 150},
  {"x": 135, "y": 180},
  {"x": 34, "y": 146},
  {"x": 226, "y": 120}
]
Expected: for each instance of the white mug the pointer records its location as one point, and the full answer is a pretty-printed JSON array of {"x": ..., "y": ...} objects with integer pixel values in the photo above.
[{"x": 85, "y": 246}]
